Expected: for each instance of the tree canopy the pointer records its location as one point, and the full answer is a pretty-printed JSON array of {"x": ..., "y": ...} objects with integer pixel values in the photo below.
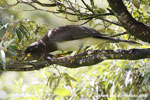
[{"x": 110, "y": 72}]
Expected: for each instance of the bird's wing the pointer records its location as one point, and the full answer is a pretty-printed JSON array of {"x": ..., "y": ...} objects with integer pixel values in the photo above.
[
  {"x": 70, "y": 32},
  {"x": 74, "y": 32}
]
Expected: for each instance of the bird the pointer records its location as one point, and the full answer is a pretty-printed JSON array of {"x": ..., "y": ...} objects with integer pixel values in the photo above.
[{"x": 70, "y": 38}]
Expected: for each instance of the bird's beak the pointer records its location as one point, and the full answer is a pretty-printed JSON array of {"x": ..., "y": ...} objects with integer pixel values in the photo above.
[{"x": 26, "y": 56}]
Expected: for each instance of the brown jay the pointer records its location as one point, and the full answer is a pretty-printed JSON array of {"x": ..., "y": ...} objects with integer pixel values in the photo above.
[{"x": 69, "y": 38}]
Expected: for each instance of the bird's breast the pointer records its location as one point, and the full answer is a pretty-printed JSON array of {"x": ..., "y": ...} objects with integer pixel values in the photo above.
[{"x": 76, "y": 44}]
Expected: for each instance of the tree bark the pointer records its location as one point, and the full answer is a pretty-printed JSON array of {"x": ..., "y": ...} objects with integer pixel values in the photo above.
[
  {"x": 135, "y": 28},
  {"x": 86, "y": 58}
]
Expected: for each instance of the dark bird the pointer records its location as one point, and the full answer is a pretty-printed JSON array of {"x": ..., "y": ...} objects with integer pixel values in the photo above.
[{"x": 70, "y": 38}]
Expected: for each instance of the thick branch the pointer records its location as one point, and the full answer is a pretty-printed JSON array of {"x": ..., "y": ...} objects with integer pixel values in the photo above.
[
  {"x": 86, "y": 58},
  {"x": 92, "y": 57},
  {"x": 24, "y": 66},
  {"x": 135, "y": 28}
]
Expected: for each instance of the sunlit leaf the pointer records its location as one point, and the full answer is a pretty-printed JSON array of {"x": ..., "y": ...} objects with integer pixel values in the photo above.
[
  {"x": 127, "y": 80},
  {"x": 3, "y": 58},
  {"x": 62, "y": 91},
  {"x": 2, "y": 3}
]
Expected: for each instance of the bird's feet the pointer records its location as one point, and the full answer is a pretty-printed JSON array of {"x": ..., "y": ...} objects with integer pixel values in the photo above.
[{"x": 62, "y": 54}]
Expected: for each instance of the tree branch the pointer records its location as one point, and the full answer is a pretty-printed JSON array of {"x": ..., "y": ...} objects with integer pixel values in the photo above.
[
  {"x": 24, "y": 66},
  {"x": 44, "y": 4},
  {"x": 93, "y": 57},
  {"x": 135, "y": 28},
  {"x": 123, "y": 33},
  {"x": 87, "y": 58}
]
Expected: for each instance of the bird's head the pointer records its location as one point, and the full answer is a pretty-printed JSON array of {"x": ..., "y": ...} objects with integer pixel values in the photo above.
[{"x": 35, "y": 49}]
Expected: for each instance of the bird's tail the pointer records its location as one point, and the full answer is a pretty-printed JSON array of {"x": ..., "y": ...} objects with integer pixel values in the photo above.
[{"x": 117, "y": 40}]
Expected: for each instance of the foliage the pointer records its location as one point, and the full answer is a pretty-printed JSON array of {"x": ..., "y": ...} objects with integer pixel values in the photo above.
[{"x": 109, "y": 80}]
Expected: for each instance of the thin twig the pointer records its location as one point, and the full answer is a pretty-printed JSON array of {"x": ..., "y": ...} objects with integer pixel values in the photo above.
[
  {"x": 116, "y": 35},
  {"x": 88, "y": 7}
]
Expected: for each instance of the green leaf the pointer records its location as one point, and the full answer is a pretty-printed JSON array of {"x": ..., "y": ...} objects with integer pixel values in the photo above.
[
  {"x": 92, "y": 3},
  {"x": 24, "y": 31},
  {"x": 2, "y": 3},
  {"x": 12, "y": 47},
  {"x": 53, "y": 82},
  {"x": 146, "y": 78},
  {"x": 61, "y": 91},
  {"x": 91, "y": 22},
  {"x": 69, "y": 77},
  {"x": 136, "y": 3},
  {"x": 68, "y": 82},
  {"x": 19, "y": 34}
]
